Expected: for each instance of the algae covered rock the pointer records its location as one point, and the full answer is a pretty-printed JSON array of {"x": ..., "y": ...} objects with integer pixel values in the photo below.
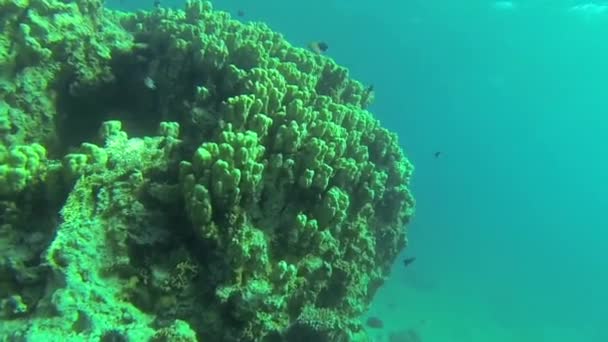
[{"x": 214, "y": 182}]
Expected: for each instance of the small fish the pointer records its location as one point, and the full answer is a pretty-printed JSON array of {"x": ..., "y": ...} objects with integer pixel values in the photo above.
[
  {"x": 408, "y": 261},
  {"x": 318, "y": 47},
  {"x": 437, "y": 154},
  {"x": 156, "y": 3},
  {"x": 240, "y": 13},
  {"x": 149, "y": 83},
  {"x": 375, "y": 322}
]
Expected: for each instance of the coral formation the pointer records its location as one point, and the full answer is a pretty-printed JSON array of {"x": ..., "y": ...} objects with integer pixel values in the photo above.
[{"x": 214, "y": 183}]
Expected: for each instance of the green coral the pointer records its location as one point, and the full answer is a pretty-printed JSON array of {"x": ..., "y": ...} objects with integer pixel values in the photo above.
[
  {"x": 254, "y": 198},
  {"x": 20, "y": 167}
]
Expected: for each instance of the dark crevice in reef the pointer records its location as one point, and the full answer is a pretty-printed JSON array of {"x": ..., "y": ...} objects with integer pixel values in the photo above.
[
  {"x": 146, "y": 87},
  {"x": 335, "y": 292},
  {"x": 182, "y": 296},
  {"x": 164, "y": 243},
  {"x": 28, "y": 224},
  {"x": 127, "y": 98}
]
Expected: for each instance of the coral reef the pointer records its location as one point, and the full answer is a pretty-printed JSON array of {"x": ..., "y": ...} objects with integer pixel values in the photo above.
[{"x": 213, "y": 182}]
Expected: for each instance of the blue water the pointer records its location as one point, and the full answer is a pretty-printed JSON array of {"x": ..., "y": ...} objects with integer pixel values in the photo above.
[{"x": 510, "y": 232}]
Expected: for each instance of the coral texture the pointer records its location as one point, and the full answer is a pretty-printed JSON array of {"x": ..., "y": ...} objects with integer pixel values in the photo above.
[{"x": 214, "y": 183}]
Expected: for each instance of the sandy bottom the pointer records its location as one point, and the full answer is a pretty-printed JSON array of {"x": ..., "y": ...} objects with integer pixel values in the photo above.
[{"x": 458, "y": 313}]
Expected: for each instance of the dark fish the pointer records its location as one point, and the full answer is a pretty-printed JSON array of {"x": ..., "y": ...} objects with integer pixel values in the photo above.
[
  {"x": 437, "y": 154},
  {"x": 368, "y": 93},
  {"x": 369, "y": 90},
  {"x": 318, "y": 47},
  {"x": 156, "y": 3},
  {"x": 408, "y": 261},
  {"x": 375, "y": 322},
  {"x": 240, "y": 13}
]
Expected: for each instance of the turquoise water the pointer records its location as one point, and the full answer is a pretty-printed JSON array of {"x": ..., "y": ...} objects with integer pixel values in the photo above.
[{"x": 510, "y": 230}]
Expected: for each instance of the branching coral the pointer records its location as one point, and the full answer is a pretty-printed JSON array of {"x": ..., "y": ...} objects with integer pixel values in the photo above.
[{"x": 267, "y": 200}]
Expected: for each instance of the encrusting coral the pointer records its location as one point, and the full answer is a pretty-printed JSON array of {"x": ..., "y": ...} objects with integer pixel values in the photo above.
[{"x": 256, "y": 199}]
